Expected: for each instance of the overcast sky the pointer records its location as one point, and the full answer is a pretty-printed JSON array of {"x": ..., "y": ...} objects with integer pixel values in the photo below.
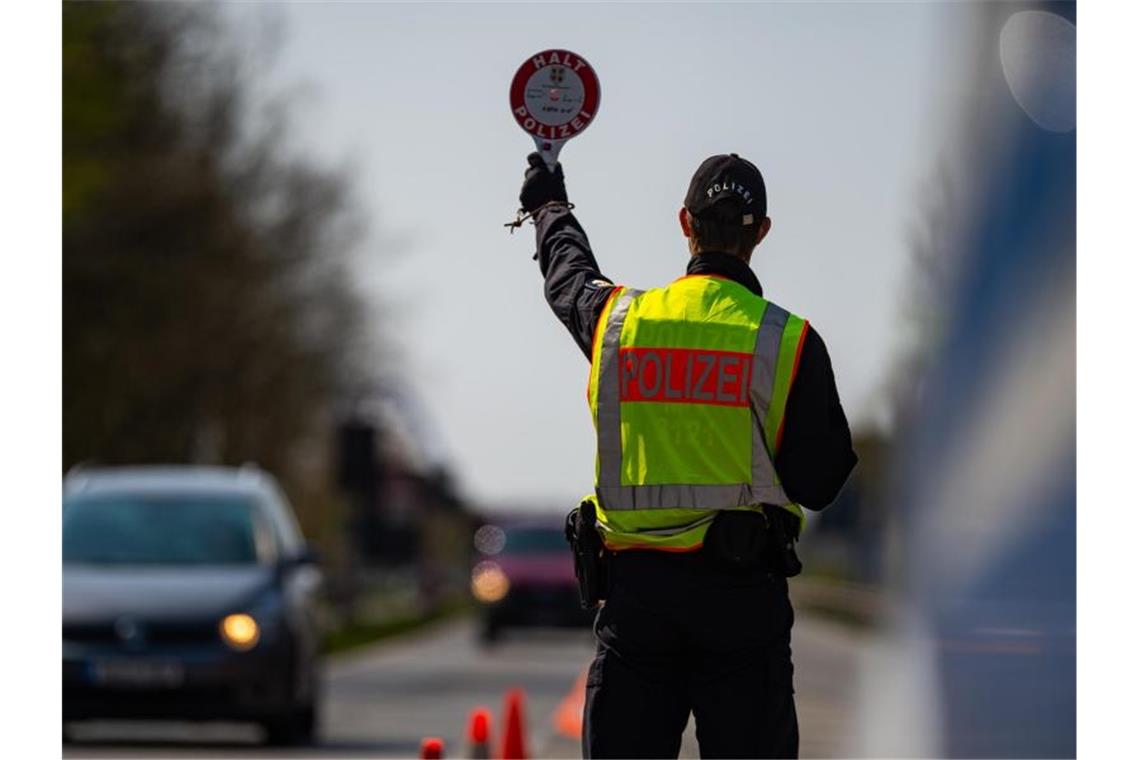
[{"x": 838, "y": 104}]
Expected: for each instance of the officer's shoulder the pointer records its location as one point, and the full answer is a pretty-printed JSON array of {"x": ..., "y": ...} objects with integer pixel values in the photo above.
[
  {"x": 814, "y": 349},
  {"x": 611, "y": 288},
  {"x": 814, "y": 353},
  {"x": 809, "y": 327}
]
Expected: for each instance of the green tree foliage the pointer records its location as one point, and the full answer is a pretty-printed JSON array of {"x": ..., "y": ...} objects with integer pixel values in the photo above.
[{"x": 207, "y": 309}]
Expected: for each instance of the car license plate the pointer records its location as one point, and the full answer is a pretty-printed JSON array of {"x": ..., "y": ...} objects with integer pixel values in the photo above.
[{"x": 137, "y": 672}]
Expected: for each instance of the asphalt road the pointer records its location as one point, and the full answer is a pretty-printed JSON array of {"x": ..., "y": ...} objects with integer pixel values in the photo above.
[{"x": 381, "y": 701}]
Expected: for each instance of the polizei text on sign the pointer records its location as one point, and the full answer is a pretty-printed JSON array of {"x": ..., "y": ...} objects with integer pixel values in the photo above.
[{"x": 554, "y": 95}]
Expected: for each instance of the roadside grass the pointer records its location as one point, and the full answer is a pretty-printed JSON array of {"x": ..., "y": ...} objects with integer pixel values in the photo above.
[
  {"x": 855, "y": 605},
  {"x": 393, "y": 613},
  {"x": 360, "y": 633}
]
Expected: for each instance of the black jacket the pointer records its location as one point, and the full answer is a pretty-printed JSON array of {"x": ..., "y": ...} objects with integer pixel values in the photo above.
[{"x": 815, "y": 455}]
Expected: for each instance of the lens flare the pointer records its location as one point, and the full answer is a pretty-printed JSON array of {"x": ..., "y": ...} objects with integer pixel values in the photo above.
[
  {"x": 489, "y": 583},
  {"x": 490, "y": 539}
]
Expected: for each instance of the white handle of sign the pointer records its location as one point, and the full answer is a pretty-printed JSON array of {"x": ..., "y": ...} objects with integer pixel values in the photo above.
[{"x": 549, "y": 150}]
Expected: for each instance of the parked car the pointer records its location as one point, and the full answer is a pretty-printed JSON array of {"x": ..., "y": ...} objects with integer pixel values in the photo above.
[
  {"x": 188, "y": 593},
  {"x": 524, "y": 576}
]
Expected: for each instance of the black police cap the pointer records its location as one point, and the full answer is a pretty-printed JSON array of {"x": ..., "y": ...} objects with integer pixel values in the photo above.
[{"x": 728, "y": 177}]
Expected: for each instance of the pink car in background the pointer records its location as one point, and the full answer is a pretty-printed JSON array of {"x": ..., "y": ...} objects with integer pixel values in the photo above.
[{"x": 523, "y": 575}]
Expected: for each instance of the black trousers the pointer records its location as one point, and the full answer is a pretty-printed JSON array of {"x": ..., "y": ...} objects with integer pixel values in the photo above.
[{"x": 679, "y": 634}]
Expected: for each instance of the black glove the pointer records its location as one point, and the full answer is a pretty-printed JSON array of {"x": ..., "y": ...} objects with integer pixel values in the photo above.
[{"x": 540, "y": 185}]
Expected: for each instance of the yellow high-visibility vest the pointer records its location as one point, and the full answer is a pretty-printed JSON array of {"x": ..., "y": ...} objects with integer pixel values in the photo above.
[{"x": 688, "y": 387}]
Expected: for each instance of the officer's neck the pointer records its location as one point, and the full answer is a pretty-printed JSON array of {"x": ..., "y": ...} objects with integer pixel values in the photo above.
[{"x": 726, "y": 265}]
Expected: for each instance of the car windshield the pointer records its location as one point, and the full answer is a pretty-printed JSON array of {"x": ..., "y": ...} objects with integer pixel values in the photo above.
[
  {"x": 534, "y": 541},
  {"x": 147, "y": 529}
]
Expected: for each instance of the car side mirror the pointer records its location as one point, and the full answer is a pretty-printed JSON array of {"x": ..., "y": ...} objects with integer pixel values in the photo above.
[{"x": 307, "y": 555}]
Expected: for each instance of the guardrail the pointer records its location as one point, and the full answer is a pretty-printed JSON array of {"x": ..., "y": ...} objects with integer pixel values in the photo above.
[{"x": 851, "y": 603}]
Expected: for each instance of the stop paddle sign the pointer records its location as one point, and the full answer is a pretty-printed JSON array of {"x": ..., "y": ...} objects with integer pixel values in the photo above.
[{"x": 554, "y": 96}]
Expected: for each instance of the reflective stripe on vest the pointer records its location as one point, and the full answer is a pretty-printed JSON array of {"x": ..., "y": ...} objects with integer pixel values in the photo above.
[{"x": 704, "y": 389}]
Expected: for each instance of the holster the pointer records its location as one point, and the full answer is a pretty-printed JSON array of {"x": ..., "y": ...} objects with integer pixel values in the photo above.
[
  {"x": 747, "y": 540},
  {"x": 590, "y": 565},
  {"x": 784, "y": 530}
]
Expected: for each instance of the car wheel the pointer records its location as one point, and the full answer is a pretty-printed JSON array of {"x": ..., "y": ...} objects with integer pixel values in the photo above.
[{"x": 490, "y": 632}]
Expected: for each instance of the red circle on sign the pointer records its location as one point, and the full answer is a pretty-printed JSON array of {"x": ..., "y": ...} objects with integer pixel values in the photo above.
[{"x": 569, "y": 124}]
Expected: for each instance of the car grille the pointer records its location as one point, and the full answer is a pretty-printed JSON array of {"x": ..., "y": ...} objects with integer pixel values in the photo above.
[{"x": 157, "y": 634}]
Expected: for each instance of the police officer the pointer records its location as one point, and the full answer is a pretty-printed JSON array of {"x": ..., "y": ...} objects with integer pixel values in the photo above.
[{"x": 717, "y": 418}]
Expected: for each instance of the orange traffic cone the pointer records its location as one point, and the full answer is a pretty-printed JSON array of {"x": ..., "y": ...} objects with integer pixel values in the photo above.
[
  {"x": 431, "y": 748},
  {"x": 479, "y": 734},
  {"x": 514, "y": 741},
  {"x": 568, "y": 716}
]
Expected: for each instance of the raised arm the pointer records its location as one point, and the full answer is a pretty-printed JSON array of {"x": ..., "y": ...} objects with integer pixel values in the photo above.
[{"x": 575, "y": 288}]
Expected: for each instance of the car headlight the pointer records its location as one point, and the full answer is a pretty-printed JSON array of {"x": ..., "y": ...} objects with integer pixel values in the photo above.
[
  {"x": 488, "y": 582},
  {"x": 240, "y": 631}
]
